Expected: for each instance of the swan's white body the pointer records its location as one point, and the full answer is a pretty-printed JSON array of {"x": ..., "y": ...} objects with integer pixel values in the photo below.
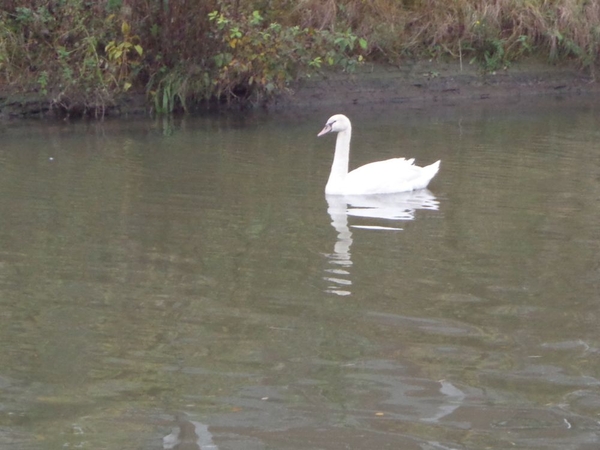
[{"x": 381, "y": 177}]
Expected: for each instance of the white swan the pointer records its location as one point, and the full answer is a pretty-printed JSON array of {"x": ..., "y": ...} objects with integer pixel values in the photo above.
[{"x": 381, "y": 177}]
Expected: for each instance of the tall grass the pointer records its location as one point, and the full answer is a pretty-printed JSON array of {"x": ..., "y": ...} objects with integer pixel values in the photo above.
[
  {"x": 507, "y": 29},
  {"x": 79, "y": 52}
]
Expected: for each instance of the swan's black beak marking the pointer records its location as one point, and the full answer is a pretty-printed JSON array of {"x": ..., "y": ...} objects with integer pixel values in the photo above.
[{"x": 326, "y": 130}]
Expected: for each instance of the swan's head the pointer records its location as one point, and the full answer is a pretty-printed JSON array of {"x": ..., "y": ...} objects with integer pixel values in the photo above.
[{"x": 336, "y": 123}]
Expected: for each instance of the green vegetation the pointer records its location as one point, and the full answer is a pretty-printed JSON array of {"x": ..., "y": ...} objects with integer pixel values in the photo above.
[{"x": 83, "y": 54}]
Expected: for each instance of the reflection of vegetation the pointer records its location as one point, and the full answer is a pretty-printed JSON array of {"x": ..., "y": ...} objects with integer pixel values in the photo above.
[
  {"x": 145, "y": 299},
  {"x": 128, "y": 293},
  {"x": 84, "y": 54}
]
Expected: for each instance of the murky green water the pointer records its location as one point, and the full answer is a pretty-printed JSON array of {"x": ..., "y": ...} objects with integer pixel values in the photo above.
[{"x": 195, "y": 289}]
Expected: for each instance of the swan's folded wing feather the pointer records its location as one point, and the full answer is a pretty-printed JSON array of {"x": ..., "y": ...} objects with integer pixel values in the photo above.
[{"x": 384, "y": 176}]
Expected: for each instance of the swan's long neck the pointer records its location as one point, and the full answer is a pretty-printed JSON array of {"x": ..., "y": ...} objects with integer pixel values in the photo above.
[{"x": 339, "y": 168}]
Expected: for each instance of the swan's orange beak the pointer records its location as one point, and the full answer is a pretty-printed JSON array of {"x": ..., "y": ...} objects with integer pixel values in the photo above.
[{"x": 325, "y": 130}]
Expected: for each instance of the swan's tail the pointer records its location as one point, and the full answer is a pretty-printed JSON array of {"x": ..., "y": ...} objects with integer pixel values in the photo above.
[
  {"x": 429, "y": 172},
  {"x": 432, "y": 169}
]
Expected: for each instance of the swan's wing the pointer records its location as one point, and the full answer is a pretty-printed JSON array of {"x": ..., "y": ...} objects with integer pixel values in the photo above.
[
  {"x": 396, "y": 167},
  {"x": 392, "y": 175}
]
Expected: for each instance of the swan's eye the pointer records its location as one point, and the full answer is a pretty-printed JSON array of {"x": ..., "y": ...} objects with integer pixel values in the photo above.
[{"x": 331, "y": 123}]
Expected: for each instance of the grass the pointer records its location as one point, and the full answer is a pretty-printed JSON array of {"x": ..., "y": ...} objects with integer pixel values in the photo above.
[{"x": 83, "y": 55}]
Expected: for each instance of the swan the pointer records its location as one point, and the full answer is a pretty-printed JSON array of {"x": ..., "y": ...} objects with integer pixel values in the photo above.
[{"x": 381, "y": 177}]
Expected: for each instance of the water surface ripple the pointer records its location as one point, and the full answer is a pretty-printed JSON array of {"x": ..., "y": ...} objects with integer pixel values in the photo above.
[{"x": 188, "y": 284}]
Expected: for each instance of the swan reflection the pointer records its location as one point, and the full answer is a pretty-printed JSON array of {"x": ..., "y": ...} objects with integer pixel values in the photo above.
[
  {"x": 393, "y": 207},
  {"x": 455, "y": 398},
  {"x": 189, "y": 435}
]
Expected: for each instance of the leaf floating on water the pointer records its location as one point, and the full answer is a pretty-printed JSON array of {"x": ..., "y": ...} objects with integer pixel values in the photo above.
[{"x": 379, "y": 414}]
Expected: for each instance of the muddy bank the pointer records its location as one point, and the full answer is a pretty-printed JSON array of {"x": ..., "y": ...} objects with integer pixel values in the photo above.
[
  {"x": 412, "y": 84},
  {"x": 430, "y": 83},
  {"x": 33, "y": 105}
]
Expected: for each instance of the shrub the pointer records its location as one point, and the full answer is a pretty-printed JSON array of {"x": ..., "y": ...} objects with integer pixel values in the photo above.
[
  {"x": 254, "y": 59},
  {"x": 83, "y": 53}
]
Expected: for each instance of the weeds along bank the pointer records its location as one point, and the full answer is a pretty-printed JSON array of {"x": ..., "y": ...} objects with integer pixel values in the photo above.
[{"x": 85, "y": 55}]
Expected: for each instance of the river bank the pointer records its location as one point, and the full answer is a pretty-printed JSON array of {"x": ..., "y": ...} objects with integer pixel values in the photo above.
[
  {"x": 425, "y": 82},
  {"x": 419, "y": 83}
]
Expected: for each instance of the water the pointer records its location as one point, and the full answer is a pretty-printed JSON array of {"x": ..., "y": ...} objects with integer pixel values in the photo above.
[{"x": 187, "y": 285}]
